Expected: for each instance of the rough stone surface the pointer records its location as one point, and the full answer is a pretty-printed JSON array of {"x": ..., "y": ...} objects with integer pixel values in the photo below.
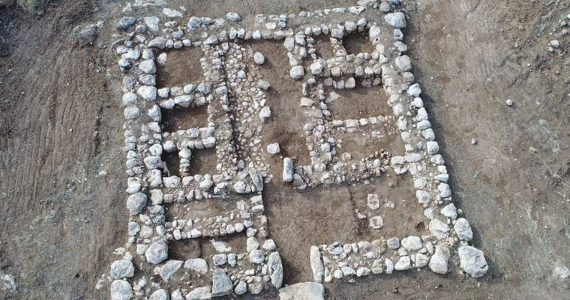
[
  {"x": 121, "y": 290},
  {"x": 303, "y": 291},
  {"x": 221, "y": 283},
  {"x": 157, "y": 252},
  {"x": 472, "y": 261}
]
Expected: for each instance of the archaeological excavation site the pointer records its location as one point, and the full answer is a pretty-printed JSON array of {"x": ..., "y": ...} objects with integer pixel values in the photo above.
[{"x": 262, "y": 149}]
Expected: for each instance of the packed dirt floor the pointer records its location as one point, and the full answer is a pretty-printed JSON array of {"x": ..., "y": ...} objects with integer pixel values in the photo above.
[{"x": 61, "y": 160}]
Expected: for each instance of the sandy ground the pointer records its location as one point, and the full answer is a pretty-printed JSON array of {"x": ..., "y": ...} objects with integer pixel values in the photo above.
[{"x": 61, "y": 163}]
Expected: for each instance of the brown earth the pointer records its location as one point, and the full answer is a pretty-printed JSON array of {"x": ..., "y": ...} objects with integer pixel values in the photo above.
[{"x": 62, "y": 174}]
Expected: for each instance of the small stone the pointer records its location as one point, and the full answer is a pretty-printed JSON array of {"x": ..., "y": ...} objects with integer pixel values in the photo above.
[
  {"x": 172, "y": 13},
  {"x": 376, "y": 222},
  {"x": 265, "y": 113},
  {"x": 422, "y": 260},
  {"x": 472, "y": 261},
  {"x": 264, "y": 85},
  {"x": 562, "y": 272},
  {"x": 393, "y": 243},
  {"x": 412, "y": 243},
  {"x": 432, "y": 147},
  {"x": 438, "y": 261},
  {"x": 269, "y": 245},
  {"x": 297, "y": 72},
  {"x": 232, "y": 16},
  {"x": 136, "y": 202},
  {"x": 148, "y": 66},
  {"x": 125, "y": 22},
  {"x": 373, "y": 202},
  {"x": 404, "y": 263},
  {"x": 258, "y": 58},
  {"x": 509, "y": 102},
  {"x": 219, "y": 259},
  {"x": 121, "y": 290},
  {"x": 316, "y": 264},
  {"x": 153, "y": 23},
  {"x": 257, "y": 256},
  {"x": 201, "y": 293},
  {"x": 167, "y": 270},
  {"x": 147, "y": 92},
  {"x": 221, "y": 283},
  {"x": 156, "y": 252},
  {"x": 197, "y": 265},
  {"x": 303, "y": 290},
  {"x": 273, "y": 148},
  {"x": 275, "y": 269},
  {"x": 403, "y": 63},
  {"x": 397, "y": 20},
  {"x": 287, "y": 169},
  {"x": 122, "y": 268},
  {"x": 554, "y": 44},
  {"x": 438, "y": 229},
  {"x": 449, "y": 211},
  {"x": 463, "y": 229},
  {"x": 161, "y": 294},
  {"x": 241, "y": 288},
  {"x": 316, "y": 68}
]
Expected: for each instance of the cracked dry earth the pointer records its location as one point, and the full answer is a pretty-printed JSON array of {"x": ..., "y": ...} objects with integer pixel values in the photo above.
[{"x": 309, "y": 161}]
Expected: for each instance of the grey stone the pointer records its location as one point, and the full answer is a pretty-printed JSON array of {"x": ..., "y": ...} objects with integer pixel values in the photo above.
[
  {"x": 303, "y": 291},
  {"x": 122, "y": 268},
  {"x": 404, "y": 263},
  {"x": 147, "y": 92},
  {"x": 273, "y": 148},
  {"x": 241, "y": 288},
  {"x": 438, "y": 229},
  {"x": 136, "y": 202},
  {"x": 147, "y": 66},
  {"x": 316, "y": 264},
  {"x": 472, "y": 261},
  {"x": 414, "y": 90},
  {"x": 316, "y": 68},
  {"x": 438, "y": 261},
  {"x": 201, "y": 293},
  {"x": 264, "y": 85},
  {"x": 157, "y": 252},
  {"x": 161, "y": 294},
  {"x": 432, "y": 147},
  {"x": 275, "y": 269},
  {"x": 125, "y": 22},
  {"x": 403, "y": 63},
  {"x": 172, "y": 13},
  {"x": 258, "y": 58},
  {"x": 153, "y": 23},
  {"x": 257, "y": 256},
  {"x": 167, "y": 270},
  {"x": 449, "y": 211},
  {"x": 463, "y": 229},
  {"x": 297, "y": 72},
  {"x": 232, "y": 16},
  {"x": 221, "y": 283},
  {"x": 197, "y": 265},
  {"x": 393, "y": 243},
  {"x": 412, "y": 243},
  {"x": 157, "y": 42},
  {"x": 287, "y": 169},
  {"x": 397, "y": 20},
  {"x": 422, "y": 260},
  {"x": 121, "y": 290},
  {"x": 131, "y": 112}
]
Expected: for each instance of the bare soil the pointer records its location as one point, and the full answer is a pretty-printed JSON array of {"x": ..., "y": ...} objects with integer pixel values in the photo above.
[
  {"x": 62, "y": 165},
  {"x": 182, "y": 67}
]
